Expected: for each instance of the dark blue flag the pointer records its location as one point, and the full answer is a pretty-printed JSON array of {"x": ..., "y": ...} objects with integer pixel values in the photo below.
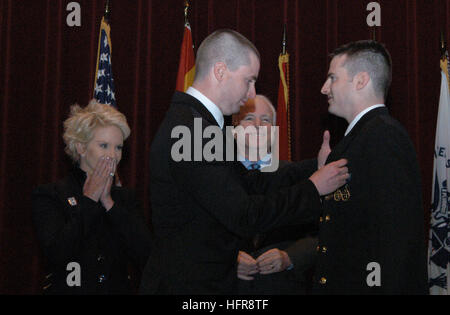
[{"x": 104, "y": 82}]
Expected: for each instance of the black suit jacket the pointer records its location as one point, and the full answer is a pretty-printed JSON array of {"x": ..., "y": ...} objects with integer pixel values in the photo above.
[
  {"x": 298, "y": 241},
  {"x": 377, "y": 217},
  {"x": 200, "y": 210},
  {"x": 297, "y": 281},
  {"x": 74, "y": 228}
]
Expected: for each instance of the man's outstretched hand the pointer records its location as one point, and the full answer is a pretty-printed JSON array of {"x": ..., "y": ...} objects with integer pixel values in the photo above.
[{"x": 330, "y": 177}]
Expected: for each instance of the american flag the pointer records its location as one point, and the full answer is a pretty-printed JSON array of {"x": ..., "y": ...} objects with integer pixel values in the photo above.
[{"x": 104, "y": 82}]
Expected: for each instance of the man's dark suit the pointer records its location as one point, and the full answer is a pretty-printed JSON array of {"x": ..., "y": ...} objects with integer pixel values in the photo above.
[
  {"x": 298, "y": 241},
  {"x": 300, "y": 247},
  {"x": 200, "y": 210},
  {"x": 377, "y": 217}
]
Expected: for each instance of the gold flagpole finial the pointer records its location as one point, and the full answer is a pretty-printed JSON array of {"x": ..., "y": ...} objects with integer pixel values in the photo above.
[
  {"x": 186, "y": 11},
  {"x": 107, "y": 11},
  {"x": 284, "y": 39},
  {"x": 443, "y": 45}
]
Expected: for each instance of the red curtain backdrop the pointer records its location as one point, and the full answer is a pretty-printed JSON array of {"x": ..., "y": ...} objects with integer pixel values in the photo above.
[{"x": 45, "y": 66}]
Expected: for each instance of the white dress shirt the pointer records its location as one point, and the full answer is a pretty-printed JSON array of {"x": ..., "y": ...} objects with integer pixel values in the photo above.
[
  {"x": 359, "y": 116},
  {"x": 210, "y": 106}
]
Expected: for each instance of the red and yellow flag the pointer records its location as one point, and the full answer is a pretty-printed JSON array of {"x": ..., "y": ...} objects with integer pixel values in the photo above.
[
  {"x": 283, "y": 119},
  {"x": 186, "y": 68}
]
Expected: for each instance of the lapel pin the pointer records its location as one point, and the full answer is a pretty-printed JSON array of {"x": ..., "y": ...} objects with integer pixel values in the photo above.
[{"x": 72, "y": 201}]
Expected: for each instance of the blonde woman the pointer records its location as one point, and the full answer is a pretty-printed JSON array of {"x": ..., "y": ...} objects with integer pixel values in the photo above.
[{"x": 89, "y": 228}]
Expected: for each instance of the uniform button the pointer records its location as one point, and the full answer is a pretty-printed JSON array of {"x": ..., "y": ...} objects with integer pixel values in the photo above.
[
  {"x": 324, "y": 249},
  {"x": 101, "y": 278},
  {"x": 327, "y": 218},
  {"x": 321, "y": 219},
  {"x": 323, "y": 280}
]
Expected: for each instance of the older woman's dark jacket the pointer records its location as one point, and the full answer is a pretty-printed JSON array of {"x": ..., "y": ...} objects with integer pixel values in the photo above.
[{"x": 73, "y": 228}]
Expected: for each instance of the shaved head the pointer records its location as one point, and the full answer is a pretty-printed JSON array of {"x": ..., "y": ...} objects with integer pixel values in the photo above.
[
  {"x": 225, "y": 46},
  {"x": 371, "y": 57}
]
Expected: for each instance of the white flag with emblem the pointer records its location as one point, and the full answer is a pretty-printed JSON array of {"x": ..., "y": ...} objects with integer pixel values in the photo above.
[{"x": 439, "y": 246}]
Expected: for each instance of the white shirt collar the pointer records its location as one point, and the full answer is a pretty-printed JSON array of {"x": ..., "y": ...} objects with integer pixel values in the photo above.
[
  {"x": 264, "y": 162},
  {"x": 210, "y": 106},
  {"x": 358, "y": 117}
]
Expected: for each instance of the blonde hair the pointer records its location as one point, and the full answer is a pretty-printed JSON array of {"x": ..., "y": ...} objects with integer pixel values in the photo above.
[{"x": 80, "y": 126}]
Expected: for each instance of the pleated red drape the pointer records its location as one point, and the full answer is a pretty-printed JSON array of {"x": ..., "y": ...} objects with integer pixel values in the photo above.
[{"x": 45, "y": 66}]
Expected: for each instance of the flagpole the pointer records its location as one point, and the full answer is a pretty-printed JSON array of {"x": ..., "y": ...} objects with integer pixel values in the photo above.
[
  {"x": 186, "y": 11},
  {"x": 186, "y": 67},
  {"x": 288, "y": 112},
  {"x": 107, "y": 12},
  {"x": 283, "y": 115},
  {"x": 443, "y": 45},
  {"x": 187, "y": 6}
]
